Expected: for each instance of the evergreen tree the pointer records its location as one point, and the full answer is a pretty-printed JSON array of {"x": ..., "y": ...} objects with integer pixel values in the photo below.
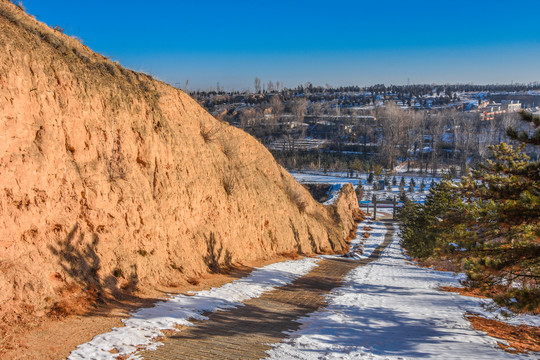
[
  {"x": 503, "y": 217},
  {"x": 370, "y": 178},
  {"x": 421, "y": 228},
  {"x": 523, "y": 136},
  {"x": 402, "y": 185},
  {"x": 494, "y": 215}
]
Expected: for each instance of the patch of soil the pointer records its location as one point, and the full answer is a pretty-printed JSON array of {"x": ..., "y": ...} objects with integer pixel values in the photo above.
[
  {"x": 439, "y": 264},
  {"x": 522, "y": 338},
  {"x": 464, "y": 291}
]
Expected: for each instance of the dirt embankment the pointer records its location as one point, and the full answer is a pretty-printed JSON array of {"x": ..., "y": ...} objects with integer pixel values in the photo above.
[{"x": 114, "y": 183}]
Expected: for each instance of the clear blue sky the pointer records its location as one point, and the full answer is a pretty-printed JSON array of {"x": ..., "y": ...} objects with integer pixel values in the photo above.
[{"x": 336, "y": 42}]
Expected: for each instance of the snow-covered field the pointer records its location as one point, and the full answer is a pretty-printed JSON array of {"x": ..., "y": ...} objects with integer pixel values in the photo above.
[
  {"x": 391, "y": 309},
  {"x": 145, "y": 325},
  {"x": 337, "y": 179}
]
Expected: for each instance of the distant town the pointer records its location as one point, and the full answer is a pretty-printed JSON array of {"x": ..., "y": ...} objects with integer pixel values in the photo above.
[{"x": 425, "y": 128}]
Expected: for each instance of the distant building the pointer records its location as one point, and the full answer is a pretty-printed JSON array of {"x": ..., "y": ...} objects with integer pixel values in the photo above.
[
  {"x": 512, "y": 105},
  {"x": 489, "y": 110}
]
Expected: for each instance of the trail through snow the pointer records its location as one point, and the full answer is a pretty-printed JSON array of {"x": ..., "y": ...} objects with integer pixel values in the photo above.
[
  {"x": 392, "y": 309},
  {"x": 145, "y": 325}
]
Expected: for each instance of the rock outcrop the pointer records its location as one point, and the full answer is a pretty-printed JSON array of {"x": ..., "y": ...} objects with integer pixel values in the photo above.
[{"x": 111, "y": 181}]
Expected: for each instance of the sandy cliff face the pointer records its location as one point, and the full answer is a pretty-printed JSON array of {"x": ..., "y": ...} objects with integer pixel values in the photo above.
[{"x": 111, "y": 181}]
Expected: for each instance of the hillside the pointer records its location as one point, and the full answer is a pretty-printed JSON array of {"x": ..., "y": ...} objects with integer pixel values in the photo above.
[{"x": 112, "y": 182}]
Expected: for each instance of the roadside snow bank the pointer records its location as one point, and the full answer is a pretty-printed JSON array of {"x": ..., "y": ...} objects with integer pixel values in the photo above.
[
  {"x": 392, "y": 309},
  {"x": 145, "y": 325}
]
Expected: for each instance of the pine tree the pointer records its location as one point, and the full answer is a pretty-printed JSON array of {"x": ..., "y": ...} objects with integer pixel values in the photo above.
[
  {"x": 370, "y": 178},
  {"x": 421, "y": 225},
  {"x": 494, "y": 215},
  {"x": 500, "y": 224},
  {"x": 504, "y": 219},
  {"x": 523, "y": 136}
]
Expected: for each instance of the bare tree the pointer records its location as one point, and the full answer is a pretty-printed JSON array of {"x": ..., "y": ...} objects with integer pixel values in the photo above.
[
  {"x": 436, "y": 128},
  {"x": 277, "y": 108},
  {"x": 299, "y": 108},
  {"x": 316, "y": 109},
  {"x": 257, "y": 83},
  {"x": 465, "y": 134},
  {"x": 393, "y": 123}
]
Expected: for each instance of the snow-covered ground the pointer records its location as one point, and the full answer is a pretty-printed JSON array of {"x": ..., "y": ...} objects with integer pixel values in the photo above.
[
  {"x": 392, "y": 309},
  {"x": 377, "y": 231},
  {"x": 337, "y": 179},
  {"x": 145, "y": 325}
]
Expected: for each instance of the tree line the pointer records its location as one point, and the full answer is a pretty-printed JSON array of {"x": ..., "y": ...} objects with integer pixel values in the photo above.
[{"x": 488, "y": 225}]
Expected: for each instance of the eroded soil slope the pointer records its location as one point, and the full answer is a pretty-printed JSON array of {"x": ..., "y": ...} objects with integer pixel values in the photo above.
[{"x": 113, "y": 182}]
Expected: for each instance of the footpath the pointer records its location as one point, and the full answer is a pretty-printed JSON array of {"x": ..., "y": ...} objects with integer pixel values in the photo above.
[{"x": 246, "y": 331}]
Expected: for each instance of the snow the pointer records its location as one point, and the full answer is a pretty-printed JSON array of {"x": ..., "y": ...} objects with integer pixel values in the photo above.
[
  {"x": 340, "y": 178},
  {"x": 330, "y": 178},
  {"x": 376, "y": 237},
  {"x": 144, "y": 326},
  {"x": 392, "y": 309}
]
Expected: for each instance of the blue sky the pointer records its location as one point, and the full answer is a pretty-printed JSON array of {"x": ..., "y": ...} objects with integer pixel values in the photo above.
[{"x": 296, "y": 41}]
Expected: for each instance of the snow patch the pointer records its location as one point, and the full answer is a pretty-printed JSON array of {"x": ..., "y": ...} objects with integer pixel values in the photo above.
[{"x": 144, "y": 326}]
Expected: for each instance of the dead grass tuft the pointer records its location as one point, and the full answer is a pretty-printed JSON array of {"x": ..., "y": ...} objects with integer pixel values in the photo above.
[
  {"x": 229, "y": 149},
  {"x": 209, "y": 132},
  {"x": 297, "y": 197},
  {"x": 229, "y": 182}
]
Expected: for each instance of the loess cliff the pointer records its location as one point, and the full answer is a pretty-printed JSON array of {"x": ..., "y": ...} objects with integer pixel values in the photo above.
[{"x": 113, "y": 182}]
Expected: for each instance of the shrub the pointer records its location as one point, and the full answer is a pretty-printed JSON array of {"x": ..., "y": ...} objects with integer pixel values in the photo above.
[
  {"x": 209, "y": 133},
  {"x": 229, "y": 182}
]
